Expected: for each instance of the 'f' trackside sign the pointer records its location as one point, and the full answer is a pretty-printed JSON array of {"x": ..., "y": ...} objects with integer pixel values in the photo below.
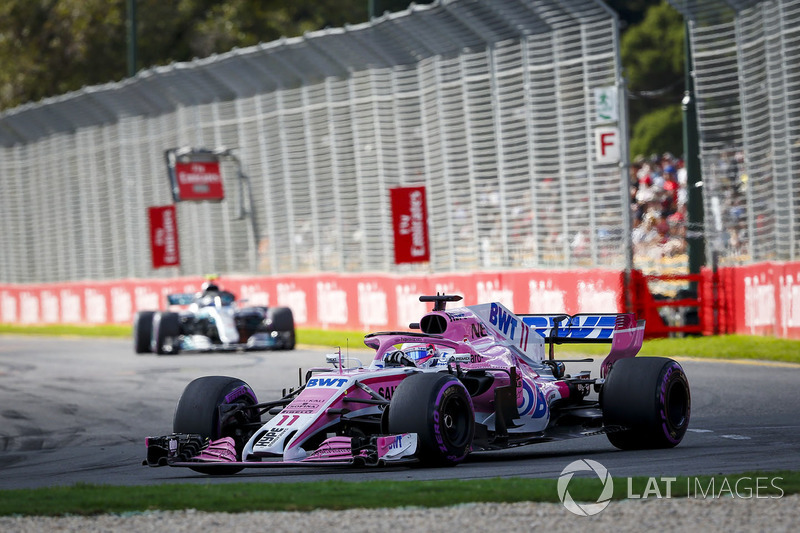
[{"x": 607, "y": 144}]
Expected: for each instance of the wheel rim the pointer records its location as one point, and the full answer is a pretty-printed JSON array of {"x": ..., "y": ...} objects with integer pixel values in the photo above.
[
  {"x": 677, "y": 405},
  {"x": 455, "y": 421},
  {"x": 233, "y": 426}
]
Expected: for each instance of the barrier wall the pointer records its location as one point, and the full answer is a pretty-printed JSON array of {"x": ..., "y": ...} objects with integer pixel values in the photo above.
[
  {"x": 335, "y": 301},
  {"x": 761, "y": 299},
  {"x": 450, "y": 96}
]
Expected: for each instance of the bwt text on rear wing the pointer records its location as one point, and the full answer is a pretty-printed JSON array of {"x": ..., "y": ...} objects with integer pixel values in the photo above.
[
  {"x": 583, "y": 327},
  {"x": 622, "y": 330}
]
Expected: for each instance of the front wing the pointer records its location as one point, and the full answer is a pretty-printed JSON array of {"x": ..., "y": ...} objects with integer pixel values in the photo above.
[
  {"x": 201, "y": 343},
  {"x": 187, "y": 450}
]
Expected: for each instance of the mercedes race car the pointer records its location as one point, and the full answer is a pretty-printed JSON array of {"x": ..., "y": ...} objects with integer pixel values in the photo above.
[
  {"x": 211, "y": 320},
  {"x": 472, "y": 378}
]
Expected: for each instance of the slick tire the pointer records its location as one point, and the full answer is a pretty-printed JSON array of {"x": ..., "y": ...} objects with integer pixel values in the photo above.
[
  {"x": 202, "y": 410},
  {"x": 281, "y": 319},
  {"x": 143, "y": 331},
  {"x": 438, "y": 408},
  {"x": 166, "y": 330},
  {"x": 650, "y": 397}
]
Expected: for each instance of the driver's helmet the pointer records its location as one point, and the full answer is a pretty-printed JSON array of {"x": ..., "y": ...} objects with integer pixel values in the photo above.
[
  {"x": 209, "y": 286},
  {"x": 422, "y": 354}
]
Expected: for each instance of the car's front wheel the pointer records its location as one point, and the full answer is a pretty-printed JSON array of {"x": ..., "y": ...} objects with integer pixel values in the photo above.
[
  {"x": 142, "y": 331},
  {"x": 438, "y": 408},
  {"x": 217, "y": 407},
  {"x": 166, "y": 331},
  {"x": 281, "y": 319}
]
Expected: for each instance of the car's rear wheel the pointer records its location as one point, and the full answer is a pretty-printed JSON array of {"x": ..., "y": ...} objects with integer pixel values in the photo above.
[
  {"x": 281, "y": 319},
  {"x": 166, "y": 330},
  {"x": 143, "y": 331},
  {"x": 438, "y": 408},
  {"x": 649, "y": 396},
  {"x": 211, "y": 406}
]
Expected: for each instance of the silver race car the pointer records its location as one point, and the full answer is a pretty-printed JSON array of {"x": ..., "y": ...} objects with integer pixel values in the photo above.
[{"x": 212, "y": 320}]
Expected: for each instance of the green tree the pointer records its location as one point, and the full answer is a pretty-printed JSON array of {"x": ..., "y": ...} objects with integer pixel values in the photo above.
[
  {"x": 659, "y": 131},
  {"x": 50, "y": 47},
  {"x": 653, "y": 62},
  {"x": 237, "y": 23},
  {"x": 631, "y": 11}
]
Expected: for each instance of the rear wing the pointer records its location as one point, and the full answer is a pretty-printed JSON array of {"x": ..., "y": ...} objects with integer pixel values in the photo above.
[
  {"x": 623, "y": 331},
  {"x": 583, "y": 327}
]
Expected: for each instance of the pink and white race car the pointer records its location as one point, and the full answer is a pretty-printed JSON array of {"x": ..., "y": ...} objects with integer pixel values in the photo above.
[{"x": 472, "y": 378}]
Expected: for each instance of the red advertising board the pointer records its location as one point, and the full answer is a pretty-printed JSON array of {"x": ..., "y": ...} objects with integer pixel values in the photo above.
[
  {"x": 410, "y": 224},
  {"x": 761, "y": 299},
  {"x": 164, "y": 236},
  {"x": 199, "y": 181}
]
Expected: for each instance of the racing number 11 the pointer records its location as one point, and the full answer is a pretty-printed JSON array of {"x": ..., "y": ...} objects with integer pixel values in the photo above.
[
  {"x": 523, "y": 338},
  {"x": 284, "y": 418}
]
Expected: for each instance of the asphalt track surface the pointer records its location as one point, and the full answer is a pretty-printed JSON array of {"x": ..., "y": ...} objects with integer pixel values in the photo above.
[{"x": 77, "y": 410}]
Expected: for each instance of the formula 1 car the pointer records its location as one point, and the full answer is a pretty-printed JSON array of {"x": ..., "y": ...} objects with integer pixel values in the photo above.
[
  {"x": 474, "y": 378},
  {"x": 212, "y": 321}
]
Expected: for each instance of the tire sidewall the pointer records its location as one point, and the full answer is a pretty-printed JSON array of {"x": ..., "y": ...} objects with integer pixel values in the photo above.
[
  {"x": 281, "y": 320},
  {"x": 166, "y": 325},
  {"x": 198, "y": 408},
  {"x": 438, "y": 408},
  {"x": 197, "y": 412},
  {"x": 673, "y": 382},
  {"x": 650, "y": 396},
  {"x": 452, "y": 391},
  {"x": 143, "y": 331}
]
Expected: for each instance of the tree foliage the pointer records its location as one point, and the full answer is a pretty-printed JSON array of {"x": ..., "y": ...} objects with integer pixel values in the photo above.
[
  {"x": 49, "y": 47},
  {"x": 631, "y": 11},
  {"x": 659, "y": 131},
  {"x": 652, "y": 51},
  {"x": 653, "y": 59}
]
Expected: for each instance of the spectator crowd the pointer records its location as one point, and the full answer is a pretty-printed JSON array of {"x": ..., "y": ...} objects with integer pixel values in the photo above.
[{"x": 658, "y": 197}]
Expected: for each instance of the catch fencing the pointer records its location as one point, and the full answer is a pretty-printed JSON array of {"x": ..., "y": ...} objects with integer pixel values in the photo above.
[
  {"x": 747, "y": 78},
  {"x": 489, "y": 105}
]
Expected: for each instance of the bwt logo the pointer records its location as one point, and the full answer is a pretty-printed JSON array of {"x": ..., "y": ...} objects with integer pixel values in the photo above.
[
  {"x": 326, "y": 382},
  {"x": 503, "y": 320},
  {"x": 579, "y": 327}
]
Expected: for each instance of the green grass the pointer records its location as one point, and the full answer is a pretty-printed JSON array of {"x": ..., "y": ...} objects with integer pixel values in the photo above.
[
  {"x": 59, "y": 329},
  {"x": 727, "y": 347},
  {"x": 86, "y": 499},
  {"x": 717, "y": 347}
]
